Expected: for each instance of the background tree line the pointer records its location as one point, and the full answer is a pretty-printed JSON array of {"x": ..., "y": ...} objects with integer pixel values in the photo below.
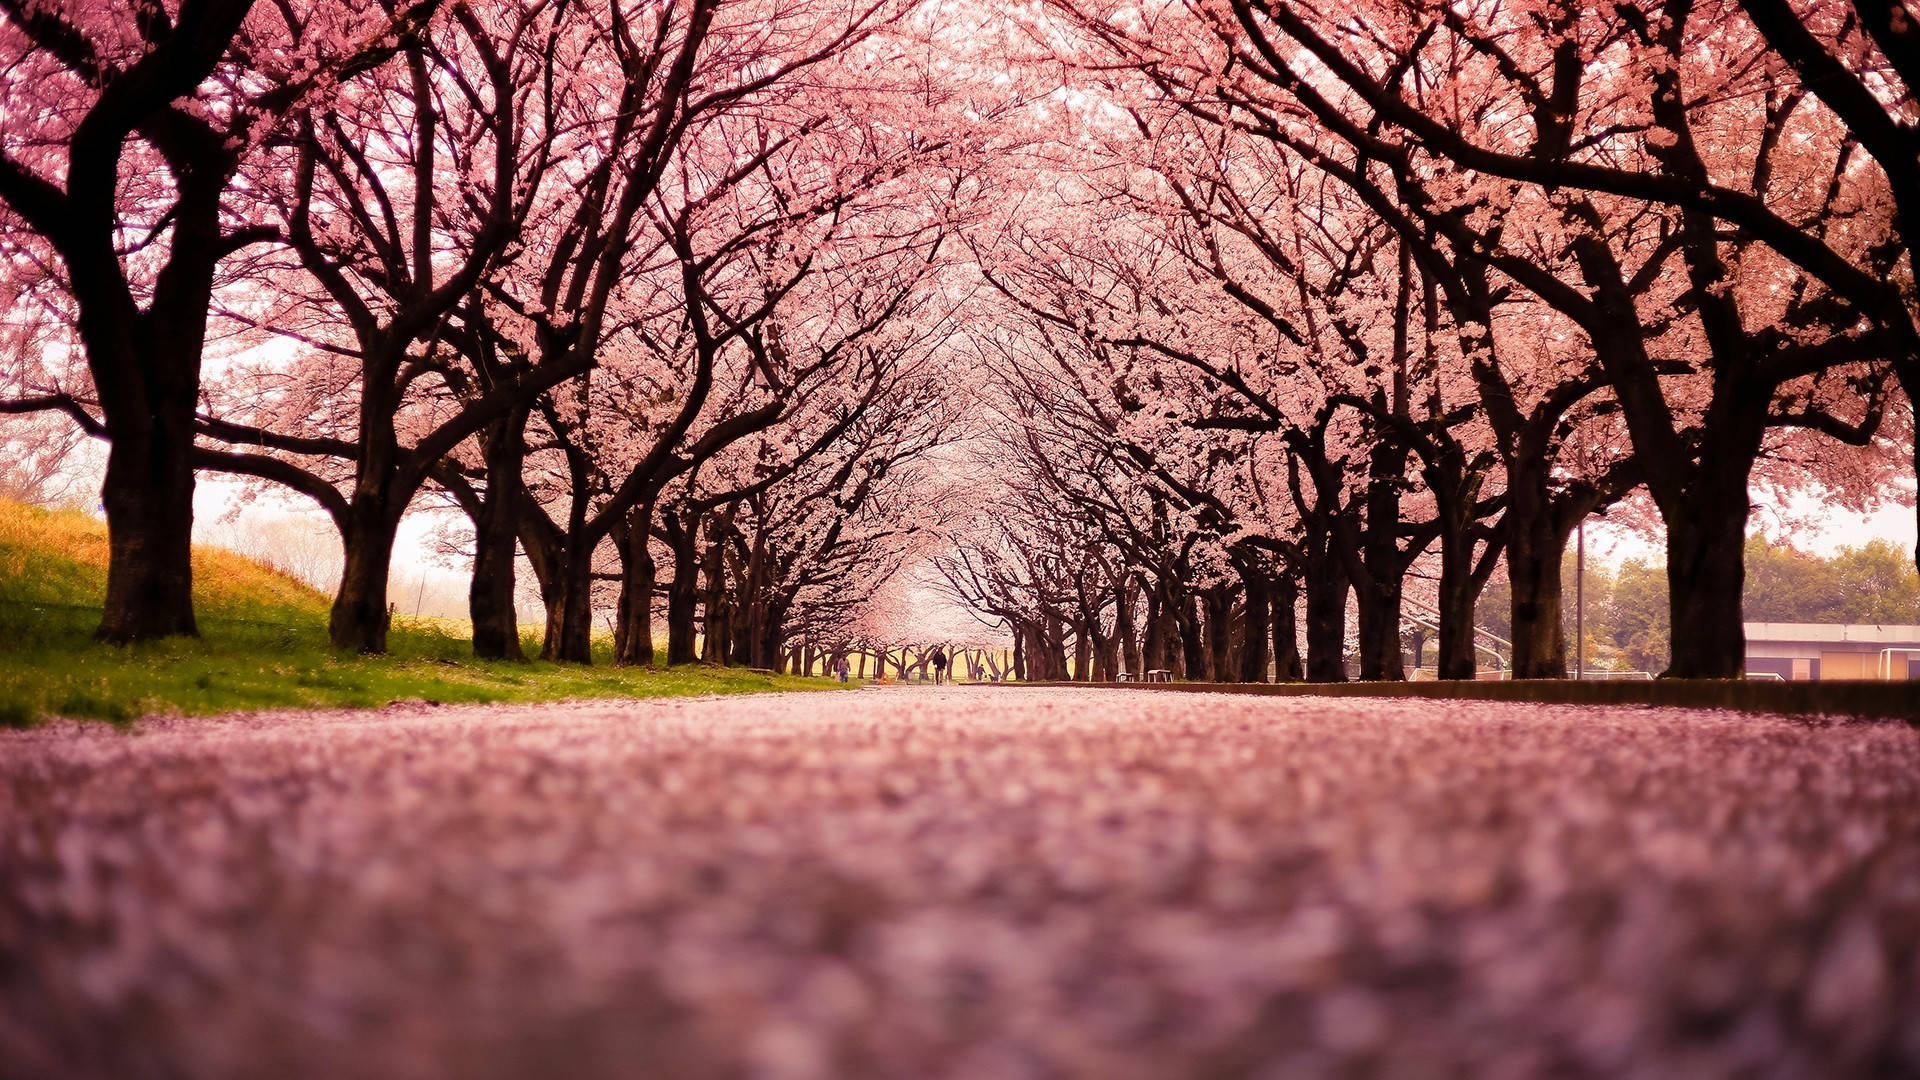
[
  {"x": 1364, "y": 305},
  {"x": 1273, "y": 330},
  {"x": 653, "y": 293}
]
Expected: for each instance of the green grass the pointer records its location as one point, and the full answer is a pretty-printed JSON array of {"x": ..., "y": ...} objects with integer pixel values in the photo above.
[{"x": 263, "y": 644}]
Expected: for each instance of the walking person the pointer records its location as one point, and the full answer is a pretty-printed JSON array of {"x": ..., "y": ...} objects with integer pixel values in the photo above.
[
  {"x": 939, "y": 665},
  {"x": 840, "y": 667}
]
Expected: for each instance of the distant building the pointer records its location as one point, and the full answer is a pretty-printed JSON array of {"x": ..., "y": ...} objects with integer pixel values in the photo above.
[{"x": 1833, "y": 651}]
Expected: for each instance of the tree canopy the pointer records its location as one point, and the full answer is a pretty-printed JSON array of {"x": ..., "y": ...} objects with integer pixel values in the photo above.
[{"x": 1161, "y": 336}]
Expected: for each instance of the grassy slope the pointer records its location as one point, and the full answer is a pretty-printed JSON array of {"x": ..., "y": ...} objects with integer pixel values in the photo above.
[{"x": 263, "y": 644}]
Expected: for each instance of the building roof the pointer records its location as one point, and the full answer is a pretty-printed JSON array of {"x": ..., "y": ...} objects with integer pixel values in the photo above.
[{"x": 1864, "y": 633}]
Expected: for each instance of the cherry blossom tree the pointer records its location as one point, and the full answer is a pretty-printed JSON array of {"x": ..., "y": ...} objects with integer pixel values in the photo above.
[
  {"x": 44, "y": 427},
  {"x": 394, "y": 203},
  {"x": 804, "y": 554},
  {"x": 782, "y": 287},
  {"x": 508, "y": 164},
  {"x": 1662, "y": 290},
  {"x": 125, "y": 127},
  {"x": 782, "y": 314},
  {"x": 1622, "y": 113},
  {"x": 1152, "y": 331}
]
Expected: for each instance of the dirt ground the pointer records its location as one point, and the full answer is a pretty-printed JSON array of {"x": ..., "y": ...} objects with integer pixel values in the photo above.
[{"x": 969, "y": 882}]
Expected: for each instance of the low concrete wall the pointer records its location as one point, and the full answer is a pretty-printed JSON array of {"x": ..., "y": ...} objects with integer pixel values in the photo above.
[{"x": 1899, "y": 701}]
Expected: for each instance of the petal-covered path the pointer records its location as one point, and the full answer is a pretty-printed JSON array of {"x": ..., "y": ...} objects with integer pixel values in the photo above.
[{"x": 973, "y": 882}]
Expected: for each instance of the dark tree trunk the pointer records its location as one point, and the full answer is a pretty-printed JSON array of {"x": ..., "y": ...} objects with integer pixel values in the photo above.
[
  {"x": 1377, "y": 590},
  {"x": 683, "y": 606},
  {"x": 1379, "y": 602},
  {"x": 768, "y": 635},
  {"x": 1535, "y": 545},
  {"x": 1705, "y": 574},
  {"x": 1123, "y": 628},
  {"x": 567, "y": 589},
  {"x": 496, "y": 629},
  {"x": 360, "y": 616},
  {"x": 146, "y": 366},
  {"x": 1057, "y": 649},
  {"x": 745, "y": 604},
  {"x": 1154, "y": 651},
  {"x": 1082, "y": 656},
  {"x": 1193, "y": 642},
  {"x": 360, "y": 609},
  {"x": 1458, "y": 591},
  {"x": 1253, "y": 648},
  {"x": 1326, "y": 610},
  {"x": 1381, "y": 657},
  {"x": 1220, "y": 666},
  {"x": 759, "y": 633},
  {"x": 1107, "y": 666},
  {"x": 1706, "y": 538},
  {"x": 1699, "y": 479},
  {"x": 148, "y": 495},
  {"x": 683, "y": 593},
  {"x": 570, "y": 611},
  {"x": 718, "y": 626},
  {"x": 633, "y": 623},
  {"x": 1286, "y": 636},
  {"x": 741, "y": 631},
  {"x": 553, "y": 594}
]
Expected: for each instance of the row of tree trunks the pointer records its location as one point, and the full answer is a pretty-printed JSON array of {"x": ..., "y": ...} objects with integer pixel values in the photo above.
[
  {"x": 1244, "y": 629},
  {"x": 719, "y": 608}
]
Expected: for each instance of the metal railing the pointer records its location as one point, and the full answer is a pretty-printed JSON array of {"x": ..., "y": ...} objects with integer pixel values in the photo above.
[{"x": 1432, "y": 625}]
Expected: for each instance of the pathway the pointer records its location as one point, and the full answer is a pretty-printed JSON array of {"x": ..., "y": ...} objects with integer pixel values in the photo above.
[{"x": 966, "y": 882}]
